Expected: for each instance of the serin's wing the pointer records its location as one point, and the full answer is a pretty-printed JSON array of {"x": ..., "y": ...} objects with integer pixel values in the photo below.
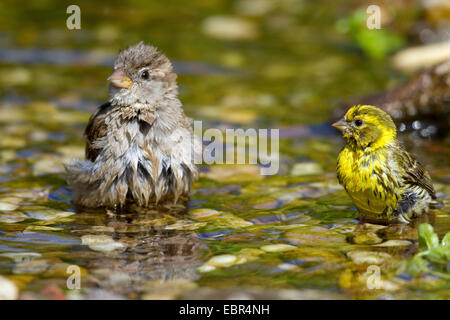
[
  {"x": 413, "y": 172},
  {"x": 95, "y": 129}
]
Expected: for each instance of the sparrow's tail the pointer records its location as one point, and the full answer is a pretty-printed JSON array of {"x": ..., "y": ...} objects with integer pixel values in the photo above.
[{"x": 79, "y": 175}]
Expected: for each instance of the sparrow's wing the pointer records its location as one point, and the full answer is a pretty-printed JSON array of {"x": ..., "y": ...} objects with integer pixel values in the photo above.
[
  {"x": 95, "y": 129},
  {"x": 414, "y": 173}
]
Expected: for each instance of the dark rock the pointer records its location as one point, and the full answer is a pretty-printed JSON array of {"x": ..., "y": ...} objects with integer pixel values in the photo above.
[{"x": 421, "y": 105}]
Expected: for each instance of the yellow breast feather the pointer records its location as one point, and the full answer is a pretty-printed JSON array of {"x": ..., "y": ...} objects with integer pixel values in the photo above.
[{"x": 365, "y": 176}]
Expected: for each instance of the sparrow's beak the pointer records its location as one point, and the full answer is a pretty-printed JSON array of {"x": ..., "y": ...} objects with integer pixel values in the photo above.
[
  {"x": 119, "y": 79},
  {"x": 341, "y": 125}
]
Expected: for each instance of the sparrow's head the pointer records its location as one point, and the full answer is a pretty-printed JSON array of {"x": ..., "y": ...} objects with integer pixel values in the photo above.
[
  {"x": 142, "y": 75},
  {"x": 367, "y": 126}
]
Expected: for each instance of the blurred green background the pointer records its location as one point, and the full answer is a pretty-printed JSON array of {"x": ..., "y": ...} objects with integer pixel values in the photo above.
[{"x": 244, "y": 63}]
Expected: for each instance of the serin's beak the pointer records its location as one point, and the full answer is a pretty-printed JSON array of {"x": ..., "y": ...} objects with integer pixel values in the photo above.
[
  {"x": 119, "y": 79},
  {"x": 341, "y": 125}
]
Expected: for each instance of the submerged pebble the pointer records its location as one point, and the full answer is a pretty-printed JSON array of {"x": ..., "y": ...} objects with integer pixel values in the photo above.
[
  {"x": 102, "y": 243},
  {"x": 222, "y": 261},
  {"x": 4, "y": 206},
  {"x": 43, "y": 213},
  {"x": 314, "y": 236},
  {"x": 370, "y": 257},
  {"x": 394, "y": 243},
  {"x": 366, "y": 238},
  {"x": 204, "y": 213},
  {"x": 278, "y": 247},
  {"x": 42, "y": 228},
  {"x": 415, "y": 58},
  {"x": 185, "y": 225},
  {"x": 34, "y": 266},
  {"x": 230, "y": 220},
  {"x": 12, "y": 217},
  {"x": 19, "y": 257},
  {"x": 206, "y": 268}
]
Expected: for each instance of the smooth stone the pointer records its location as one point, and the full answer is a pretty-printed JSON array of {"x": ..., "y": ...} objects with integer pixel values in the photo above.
[
  {"x": 185, "y": 225},
  {"x": 370, "y": 257},
  {"x": 416, "y": 58},
  {"x": 8, "y": 290},
  {"x": 4, "y": 206},
  {"x": 268, "y": 205},
  {"x": 319, "y": 236},
  {"x": 19, "y": 257},
  {"x": 96, "y": 239},
  {"x": 371, "y": 227},
  {"x": 35, "y": 266},
  {"x": 305, "y": 169},
  {"x": 12, "y": 217},
  {"x": 101, "y": 243},
  {"x": 278, "y": 248},
  {"x": 394, "y": 243},
  {"x": 43, "y": 213},
  {"x": 230, "y": 220},
  {"x": 290, "y": 226},
  {"x": 367, "y": 238},
  {"x": 203, "y": 213},
  {"x": 106, "y": 247},
  {"x": 206, "y": 268},
  {"x": 389, "y": 285},
  {"x": 11, "y": 200},
  {"x": 223, "y": 260},
  {"x": 101, "y": 229},
  {"x": 288, "y": 267},
  {"x": 243, "y": 259},
  {"x": 41, "y": 228}
]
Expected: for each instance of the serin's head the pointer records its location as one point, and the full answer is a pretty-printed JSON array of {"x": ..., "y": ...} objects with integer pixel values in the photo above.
[
  {"x": 367, "y": 126},
  {"x": 141, "y": 74}
]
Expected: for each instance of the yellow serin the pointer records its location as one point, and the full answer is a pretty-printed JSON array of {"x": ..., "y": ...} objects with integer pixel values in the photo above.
[{"x": 384, "y": 182}]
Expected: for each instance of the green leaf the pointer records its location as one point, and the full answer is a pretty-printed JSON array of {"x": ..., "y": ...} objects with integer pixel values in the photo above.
[
  {"x": 417, "y": 265},
  {"x": 446, "y": 240},
  {"x": 376, "y": 44},
  {"x": 427, "y": 237},
  {"x": 439, "y": 254}
]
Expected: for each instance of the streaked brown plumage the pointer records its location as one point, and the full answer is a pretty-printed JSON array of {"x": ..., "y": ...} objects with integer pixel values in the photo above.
[{"x": 140, "y": 145}]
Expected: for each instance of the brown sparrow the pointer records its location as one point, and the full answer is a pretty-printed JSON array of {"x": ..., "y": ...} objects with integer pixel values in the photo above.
[{"x": 140, "y": 144}]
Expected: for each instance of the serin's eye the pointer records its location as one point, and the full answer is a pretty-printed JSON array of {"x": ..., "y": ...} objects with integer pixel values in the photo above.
[
  {"x": 145, "y": 75},
  {"x": 358, "y": 122}
]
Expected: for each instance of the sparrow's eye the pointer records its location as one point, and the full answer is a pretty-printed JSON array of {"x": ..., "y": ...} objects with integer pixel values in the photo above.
[
  {"x": 358, "y": 122},
  {"x": 145, "y": 75}
]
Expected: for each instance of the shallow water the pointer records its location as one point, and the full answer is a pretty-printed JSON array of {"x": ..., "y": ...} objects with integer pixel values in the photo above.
[{"x": 288, "y": 73}]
